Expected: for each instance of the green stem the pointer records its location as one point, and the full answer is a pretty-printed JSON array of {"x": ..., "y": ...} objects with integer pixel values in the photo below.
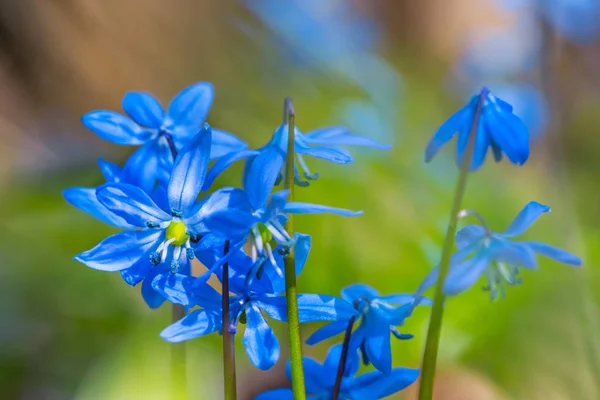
[
  {"x": 229, "y": 379},
  {"x": 437, "y": 312},
  {"x": 178, "y": 360},
  {"x": 291, "y": 292}
]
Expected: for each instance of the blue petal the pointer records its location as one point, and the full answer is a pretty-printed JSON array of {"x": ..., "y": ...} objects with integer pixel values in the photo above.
[
  {"x": 447, "y": 131},
  {"x": 341, "y": 136},
  {"x": 525, "y": 218},
  {"x": 468, "y": 235},
  {"x": 85, "y": 199},
  {"x": 321, "y": 307},
  {"x": 223, "y": 163},
  {"x": 301, "y": 250},
  {"x": 509, "y": 133},
  {"x": 307, "y": 208},
  {"x": 222, "y": 201},
  {"x": 400, "y": 298},
  {"x": 121, "y": 250},
  {"x": 375, "y": 385},
  {"x": 325, "y": 332},
  {"x": 138, "y": 272},
  {"x": 273, "y": 306},
  {"x": 142, "y": 166},
  {"x": 317, "y": 378},
  {"x": 261, "y": 174},
  {"x": 233, "y": 224},
  {"x": 276, "y": 394},
  {"x": 512, "y": 253},
  {"x": 152, "y": 298},
  {"x": 261, "y": 343},
  {"x": 377, "y": 341},
  {"x": 188, "y": 110},
  {"x": 464, "y": 273},
  {"x": 196, "y": 324},
  {"x": 176, "y": 288},
  {"x": 276, "y": 204},
  {"x": 480, "y": 147},
  {"x": 224, "y": 143},
  {"x": 336, "y": 155},
  {"x": 332, "y": 361},
  {"x": 358, "y": 291},
  {"x": 131, "y": 203},
  {"x": 555, "y": 253},
  {"x": 116, "y": 128},
  {"x": 189, "y": 171},
  {"x": 111, "y": 171},
  {"x": 143, "y": 109}
]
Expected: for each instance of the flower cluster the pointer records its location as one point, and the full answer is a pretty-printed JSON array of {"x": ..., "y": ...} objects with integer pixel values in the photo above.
[{"x": 158, "y": 199}]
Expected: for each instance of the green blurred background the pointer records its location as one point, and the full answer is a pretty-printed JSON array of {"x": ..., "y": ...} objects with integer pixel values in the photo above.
[{"x": 69, "y": 332}]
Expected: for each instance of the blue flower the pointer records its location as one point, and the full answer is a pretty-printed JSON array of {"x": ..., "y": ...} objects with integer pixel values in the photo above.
[
  {"x": 164, "y": 240},
  {"x": 266, "y": 163},
  {"x": 152, "y": 128},
  {"x": 498, "y": 128},
  {"x": 379, "y": 317},
  {"x": 495, "y": 256},
  {"x": 246, "y": 305},
  {"x": 320, "y": 380}
]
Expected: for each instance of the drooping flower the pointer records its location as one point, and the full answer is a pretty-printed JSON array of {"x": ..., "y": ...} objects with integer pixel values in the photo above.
[
  {"x": 379, "y": 317},
  {"x": 164, "y": 239},
  {"x": 495, "y": 256},
  {"x": 267, "y": 162},
  {"x": 498, "y": 128},
  {"x": 149, "y": 126},
  {"x": 320, "y": 380},
  {"x": 246, "y": 305}
]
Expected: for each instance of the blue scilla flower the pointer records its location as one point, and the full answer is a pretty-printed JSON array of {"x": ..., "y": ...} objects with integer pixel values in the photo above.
[
  {"x": 266, "y": 163},
  {"x": 247, "y": 305},
  {"x": 320, "y": 380},
  {"x": 152, "y": 128},
  {"x": 379, "y": 316},
  {"x": 163, "y": 238},
  {"x": 498, "y": 128},
  {"x": 496, "y": 256}
]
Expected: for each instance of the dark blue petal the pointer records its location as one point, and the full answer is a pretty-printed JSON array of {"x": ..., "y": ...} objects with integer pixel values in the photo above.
[
  {"x": 188, "y": 110},
  {"x": 555, "y": 253},
  {"x": 261, "y": 343},
  {"x": 513, "y": 253},
  {"x": 196, "y": 324},
  {"x": 152, "y": 298},
  {"x": 332, "y": 361},
  {"x": 142, "y": 166},
  {"x": 325, "y": 332},
  {"x": 273, "y": 306},
  {"x": 321, "y": 307},
  {"x": 377, "y": 341},
  {"x": 233, "y": 224},
  {"x": 464, "y": 273},
  {"x": 85, "y": 199},
  {"x": 480, "y": 147},
  {"x": 223, "y": 163},
  {"x": 525, "y": 218},
  {"x": 307, "y": 208},
  {"x": 341, "y": 136},
  {"x": 116, "y": 128},
  {"x": 189, "y": 171},
  {"x": 224, "y": 143},
  {"x": 215, "y": 208},
  {"x": 131, "y": 203},
  {"x": 261, "y": 174},
  {"x": 276, "y": 394},
  {"x": 358, "y": 291},
  {"x": 317, "y": 378},
  {"x": 508, "y": 132},
  {"x": 445, "y": 132},
  {"x": 336, "y": 155},
  {"x": 121, "y": 250},
  {"x": 469, "y": 235},
  {"x": 111, "y": 171},
  {"x": 176, "y": 288},
  {"x": 143, "y": 109},
  {"x": 375, "y": 385},
  {"x": 138, "y": 272}
]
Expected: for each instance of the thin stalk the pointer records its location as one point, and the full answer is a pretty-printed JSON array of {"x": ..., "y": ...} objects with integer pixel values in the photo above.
[
  {"x": 343, "y": 358},
  {"x": 229, "y": 379},
  {"x": 434, "y": 332},
  {"x": 291, "y": 292}
]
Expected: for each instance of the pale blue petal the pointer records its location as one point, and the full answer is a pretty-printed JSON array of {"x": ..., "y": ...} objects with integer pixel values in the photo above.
[
  {"x": 525, "y": 218},
  {"x": 325, "y": 332},
  {"x": 320, "y": 307},
  {"x": 131, "y": 203},
  {"x": 301, "y": 250},
  {"x": 273, "y": 306},
  {"x": 469, "y": 235},
  {"x": 143, "y": 109},
  {"x": 261, "y": 174},
  {"x": 196, "y": 324},
  {"x": 513, "y": 253},
  {"x": 336, "y": 155},
  {"x": 121, "y": 250},
  {"x": 189, "y": 172},
  {"x": 358, "y": 291},
  {"x": 116, "y": 128},
  {"x": 276, "y": 204},
  {"x": 224, "y": 143},
  {"x": 376, "y": 385},
  {"x": 341, "y": 136},
  {"x": 85, "y": 199},
  {"x": 110, "y": 171},
  {"x": 555, "y": 253},
  {"x": 399, "y": 298},
  {"x": 223, "y": 163},
  {"x": 464, "y": 273},
  {"x": 259, "y": 340},
  {"x": 188, "y": 110},
  {"x": 177, "y": 288},
  {"x": 276, "y": 394},
  {"x": 447, "y": 132},
  {"x": 307, "y": 208}
]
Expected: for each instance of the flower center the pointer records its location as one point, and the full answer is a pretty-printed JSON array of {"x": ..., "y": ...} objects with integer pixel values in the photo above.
[
  {"x": 176, "y": 231},
  {"x": 265, "y": 233}
]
